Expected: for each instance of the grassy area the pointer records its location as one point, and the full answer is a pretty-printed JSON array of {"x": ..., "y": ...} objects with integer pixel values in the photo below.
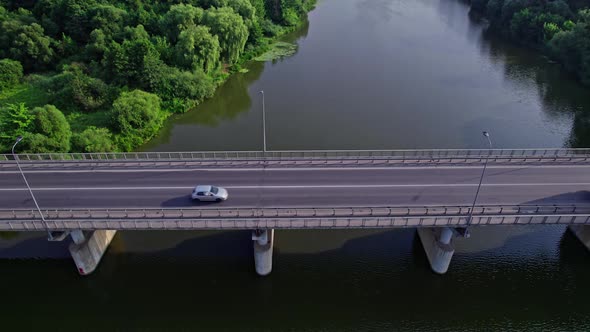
[
  {"x": 80, "y": 121},
  {"x": 27, "y": 93},
  {"x": 34, "y": 96}
]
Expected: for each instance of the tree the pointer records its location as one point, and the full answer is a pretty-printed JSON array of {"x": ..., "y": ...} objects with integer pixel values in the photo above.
[
  {"x": 108, "y": 18},
  {"x": 133, "y": 61},
  {"x": 73, "y": 89},
  {"x": 97, "y": 45},
  {"x": 93, "y": 139},
  {"x": 231, "y": 30},
  {"x": 26, "y": 43},
  {"x": 572, "y": 49},
  {"x": 137, "y": 116},
  {"x": 11, "y": 72},
  {"x": 51, "y": 131},
  {"x": 197, "y": 49},
  {"x": 15, "y": 120},
  {"x": 191, "y": 87},
  {"x": 178, "y": 18}
]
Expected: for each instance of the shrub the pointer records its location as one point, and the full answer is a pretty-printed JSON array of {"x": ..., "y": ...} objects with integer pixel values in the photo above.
[
  {"x": 137, "y": 116},
  {"x": 93, "y": 139},
  {"x": 51, "y": 131},
  {"x": 11, "y": 72}
]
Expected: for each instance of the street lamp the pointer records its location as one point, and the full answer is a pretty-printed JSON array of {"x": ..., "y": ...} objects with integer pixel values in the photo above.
[
  {"x": 263, "y": 123},
  {"x": 487, "y": 135},
  {"x": 18, "y": 139}
]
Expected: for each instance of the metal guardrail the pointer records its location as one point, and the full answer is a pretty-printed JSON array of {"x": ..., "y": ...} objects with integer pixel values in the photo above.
[
  {"x": 292, "y": 218},
  {"x": 279, "y": 159},
  {"x": 310, "y": 154}
]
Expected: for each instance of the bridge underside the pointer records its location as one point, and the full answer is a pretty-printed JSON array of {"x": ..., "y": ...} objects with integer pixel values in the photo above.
[
  {"x": 88, "y": 247},
  {"x": 91, "y": 196}
]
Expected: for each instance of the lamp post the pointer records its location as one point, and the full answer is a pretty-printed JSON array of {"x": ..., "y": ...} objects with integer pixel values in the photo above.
[
  {"x": 263, "y": 123},
  {"x": 487, "y": 135},
  {"x": 18, "y": 139}
]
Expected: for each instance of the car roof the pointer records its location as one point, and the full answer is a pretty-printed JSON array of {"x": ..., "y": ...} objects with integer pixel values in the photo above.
[{"x": 203, "y": 188}]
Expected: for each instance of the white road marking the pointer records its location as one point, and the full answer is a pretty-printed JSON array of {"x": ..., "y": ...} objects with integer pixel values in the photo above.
[{"x": 343, "y": 186}]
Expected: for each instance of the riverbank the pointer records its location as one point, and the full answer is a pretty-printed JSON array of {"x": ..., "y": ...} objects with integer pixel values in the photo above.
[
  {"x": 101, "y": 82},
  {"x": 558, "y": 29}
]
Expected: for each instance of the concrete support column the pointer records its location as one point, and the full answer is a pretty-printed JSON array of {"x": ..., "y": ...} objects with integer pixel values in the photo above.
[
  {"x": 78, "y": 236},
  {"x": 263, "y": 247},
  {"x": 582, "y": 232},
  {"x": 87, "y": 248},
  {"x": 437, "y": 243}
]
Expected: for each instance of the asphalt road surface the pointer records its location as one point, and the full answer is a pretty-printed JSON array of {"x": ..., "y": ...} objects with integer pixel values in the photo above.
[{"x": 299, "y": 187}]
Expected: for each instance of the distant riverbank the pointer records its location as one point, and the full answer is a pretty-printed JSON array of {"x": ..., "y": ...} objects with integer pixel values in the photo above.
[{"x": 556, "y": 28}]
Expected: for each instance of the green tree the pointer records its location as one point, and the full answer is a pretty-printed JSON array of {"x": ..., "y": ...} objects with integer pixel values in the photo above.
[
  {"x": 97, "y": 46},
  {"x": 26, "y": 43},
  {"x": 93, "y": 139},
  {"x": 137, "y": 116},
  {"x": 15, "y": 120},
  {"x": 11, "y": 72},
  {"x": 231, "y": 30},
  {"x": 181, "y": 90},
  {"x": 50, "y": 131},
  {"x": 197, "y": 49},
  {"x": 74, "y": 90},
  {"x": 572, "y": 49},
  {"x": 178, "y": 18},
  {"x": 107, "y": 18},
  {"x": 133, "y": 61}
]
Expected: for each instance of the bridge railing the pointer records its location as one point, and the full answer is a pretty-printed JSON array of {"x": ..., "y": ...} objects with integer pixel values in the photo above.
[
  {"x": 310, "y": 154},
  {"x": 242, "y": 218}
]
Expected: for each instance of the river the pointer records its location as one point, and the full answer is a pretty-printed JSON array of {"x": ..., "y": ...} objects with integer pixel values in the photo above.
[{"x": 368, "y": 74}]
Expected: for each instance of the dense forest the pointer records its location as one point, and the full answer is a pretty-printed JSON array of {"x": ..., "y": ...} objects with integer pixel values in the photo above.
[
  {"x": 102, "y": 75},
  {"x": 560, "y": 28}
]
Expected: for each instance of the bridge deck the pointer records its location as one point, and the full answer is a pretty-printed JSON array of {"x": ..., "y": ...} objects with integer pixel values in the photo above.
[{"x": 257, "y": 190}]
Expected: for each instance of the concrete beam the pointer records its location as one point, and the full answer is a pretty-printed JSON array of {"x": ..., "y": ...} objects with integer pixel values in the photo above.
[
  {"x": 438, "y": 245},
  {"x": 582, "y": 232},
  {"x": 88, "y": 248},
  {"x": 263, "y": 248}
]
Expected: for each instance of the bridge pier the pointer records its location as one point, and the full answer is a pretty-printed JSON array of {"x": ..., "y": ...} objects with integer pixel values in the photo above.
[
  {"x": 582, "y": 232},
  {"x": 438, "y": 247},
  {"x": 88, "y": 247},
  {"x": 263, "y": 247}
]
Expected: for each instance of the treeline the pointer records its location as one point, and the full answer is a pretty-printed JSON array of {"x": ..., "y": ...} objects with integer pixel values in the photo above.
[
  {"x": 560, "y": 28},
  {"x": 112, "y": 70}
]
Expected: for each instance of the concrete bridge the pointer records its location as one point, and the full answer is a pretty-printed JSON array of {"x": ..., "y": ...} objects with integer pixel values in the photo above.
[{"x": 91, "y": 196}]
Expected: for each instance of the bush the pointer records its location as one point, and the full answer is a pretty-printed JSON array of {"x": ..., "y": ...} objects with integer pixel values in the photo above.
[
  {"x": 93, "y": 140},
  {"x": 137, "y": 116},
  {"x": 15, "y": 120},
  {"x": 51, "y": 131},
  {"x": 11, "y": 72},
  {"x": 73, "y": 89},
  {"x": 189, "y": 85}
]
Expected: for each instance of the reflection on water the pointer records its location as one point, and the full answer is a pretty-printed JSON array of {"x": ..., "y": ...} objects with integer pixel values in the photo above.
[{"x": 561, "y": 98}]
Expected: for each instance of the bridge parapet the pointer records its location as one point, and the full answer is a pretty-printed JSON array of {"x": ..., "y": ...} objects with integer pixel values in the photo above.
[
  {"x": 338, "y": 158},
  {"x": 293, "y": 218},
  {"x": 306, "y": 154}
]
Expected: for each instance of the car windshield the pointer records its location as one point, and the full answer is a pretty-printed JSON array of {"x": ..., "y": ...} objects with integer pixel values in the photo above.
[{"x": 214, "y": 190}]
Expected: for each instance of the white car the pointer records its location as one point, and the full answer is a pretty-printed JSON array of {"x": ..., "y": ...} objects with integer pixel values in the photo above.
[{"x": 209, "y": 194}]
